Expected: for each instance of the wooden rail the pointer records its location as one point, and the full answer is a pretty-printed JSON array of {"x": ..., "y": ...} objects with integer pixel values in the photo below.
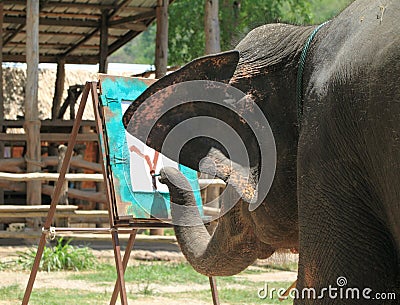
[
  {"x": 91, "y": 236},
  {"x": 211, "y": 183},
  {"x": 85, "y": 177},
  {"x": 16, "y": 165},
  {"x": 50, "y": 177},
  {"x": 49, "y": 137},
  {"x": 68, "y": 214}
]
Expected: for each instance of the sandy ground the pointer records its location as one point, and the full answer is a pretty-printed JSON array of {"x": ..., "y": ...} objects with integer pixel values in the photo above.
[{"x": 58, "y": 279}]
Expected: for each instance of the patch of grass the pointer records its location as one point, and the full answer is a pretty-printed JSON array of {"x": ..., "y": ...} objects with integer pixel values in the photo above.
[
  {"x": 232, "y": 290},
  {"x": 235, "y": 296},
  {"x": 169, "y": 232},
  {"x": 14, "y": 294},
  {"x": 3, "y": 266},
  {"x": 68, "y": 296},
  {"x": 153, "y": 272},
  {"x": 10, "y": 292},
  {"x": 145, "y": 288},
  {"x": 8, "y": 265},
  {"x": 62, "y": 256},
  {"x": 159, "y": 272},
  {"x": 290, "y": 266}
]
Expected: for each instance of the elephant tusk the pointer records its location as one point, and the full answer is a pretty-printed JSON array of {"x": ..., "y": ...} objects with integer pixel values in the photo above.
[{"x": 284, "y": 296}]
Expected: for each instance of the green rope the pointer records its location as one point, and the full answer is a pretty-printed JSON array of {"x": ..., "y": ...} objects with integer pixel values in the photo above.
[{"x": 302, "y": 62}]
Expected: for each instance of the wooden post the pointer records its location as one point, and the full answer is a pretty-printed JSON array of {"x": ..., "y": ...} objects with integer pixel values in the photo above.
[
  {"x": 103, "y": 53},
  {"x": 63, "y": 199},
  {"x": 161, "y": 61},
  {"x": 1, "y": 94},
  {"x": 211, "y": 27},
  {"x": 59, "y": 89},
  {"x": 62, "y": 149},
  {"x": 32, "y": 123},
  {"x": 212, "y": 194}
]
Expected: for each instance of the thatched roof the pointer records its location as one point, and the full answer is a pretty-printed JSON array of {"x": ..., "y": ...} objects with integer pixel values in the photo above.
[
  {"x": 15, "y": 81},
  {"x": 71, "y": 29}
]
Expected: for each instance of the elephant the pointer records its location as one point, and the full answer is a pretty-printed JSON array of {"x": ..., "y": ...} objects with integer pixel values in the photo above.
[{"x": 335, "y": 196}]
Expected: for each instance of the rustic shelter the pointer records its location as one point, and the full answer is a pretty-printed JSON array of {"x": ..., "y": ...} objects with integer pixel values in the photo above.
[{"x": 74, "y": 31}]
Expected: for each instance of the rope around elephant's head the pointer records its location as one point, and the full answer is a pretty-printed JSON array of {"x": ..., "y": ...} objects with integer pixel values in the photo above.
[{"x": 300, "y": 71}]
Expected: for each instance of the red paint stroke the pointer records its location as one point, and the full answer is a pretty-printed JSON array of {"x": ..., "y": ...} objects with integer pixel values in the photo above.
[{"x": 152, "y": 165}]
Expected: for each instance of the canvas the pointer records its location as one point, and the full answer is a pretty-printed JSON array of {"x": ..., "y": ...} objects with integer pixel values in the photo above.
[{"x": 130, "y": 161}]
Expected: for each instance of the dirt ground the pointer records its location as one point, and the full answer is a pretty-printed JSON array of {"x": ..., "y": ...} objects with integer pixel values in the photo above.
[{"x": 58, "y": 279}]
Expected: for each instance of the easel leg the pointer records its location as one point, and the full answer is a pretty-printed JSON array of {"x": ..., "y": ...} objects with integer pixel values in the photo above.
[
  {"x": 35, "y": 268},
  {"x": 214, "y": 292},
  {"x": 56, "y": 194},
  {"x": 120, "y": 269},
  {"x": 125, "y": 260}
]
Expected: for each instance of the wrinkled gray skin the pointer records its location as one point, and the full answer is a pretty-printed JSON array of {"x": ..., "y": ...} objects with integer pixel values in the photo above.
[{"x": 336, "y": 193}]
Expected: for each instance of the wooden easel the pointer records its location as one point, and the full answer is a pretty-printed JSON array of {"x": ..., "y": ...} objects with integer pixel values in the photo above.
[{"x": 116, "y": 226}]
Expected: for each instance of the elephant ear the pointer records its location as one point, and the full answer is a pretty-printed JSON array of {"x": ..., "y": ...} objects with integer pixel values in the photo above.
[
  {"x": 217, "y": 67},
  {"x": 193, "y": 122}
]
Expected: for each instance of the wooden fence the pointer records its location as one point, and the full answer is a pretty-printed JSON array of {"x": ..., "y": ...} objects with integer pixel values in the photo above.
[{"x": 16, "y": 216}]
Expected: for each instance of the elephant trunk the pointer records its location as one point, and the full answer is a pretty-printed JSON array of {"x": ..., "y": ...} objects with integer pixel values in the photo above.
[{"x": 233, "y": 245}]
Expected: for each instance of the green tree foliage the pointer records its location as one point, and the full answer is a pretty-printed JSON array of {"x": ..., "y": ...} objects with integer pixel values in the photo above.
[
  {"x": 140, "y": 50},
  {"x": 237, "y": 18},
  {"x": 186, "y": 31},
  {"x": 325, "y": 9}
]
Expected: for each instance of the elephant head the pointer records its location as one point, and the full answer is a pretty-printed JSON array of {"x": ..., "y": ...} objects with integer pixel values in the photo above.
[{"x": 263, "y": 67}]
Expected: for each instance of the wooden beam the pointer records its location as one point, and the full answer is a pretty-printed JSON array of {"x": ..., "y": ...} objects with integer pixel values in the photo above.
[
  {"x": 17, "y": 209},
  {"x": 125, "y": 39},
  {"x": 103, "y": 52},
  {"x": 139, "y": 17},
  {"x": 1, "y": 78},
  {"x": 91, "y": 236},
  {"x": 1, "y": 92},
  {"x": 71, "y": 59},
  {"x": 118, "y": 8},
  {"x": 23, "y": 177},
  {"x": 139, "y": 26},
  {"x": 54, "y": 21},
  {"x": 49, "y": 190},
  {"x": 59, "y": 89},
  {"x": 62, "y": 4},
  {"x": 211, "y": 182},
  {"x": 14, "y": 33},
  {"x": 78, "y": 194},
  {"x": 76, "y": 22},
  {"x": 81, "y": 42},
  {"x": 32, "y": 123},
  {"x": 17, "y": 165},
  {"x": 48, "y": 137},
  {"x": 54, "y": 46},
  {"x": 161, "y": 60},
  {"x": 68, "y": 4},
  {"x": 49, "y": 123},
  {"x": 60, "y": 33},
  {"x": 56, "y": 15}
]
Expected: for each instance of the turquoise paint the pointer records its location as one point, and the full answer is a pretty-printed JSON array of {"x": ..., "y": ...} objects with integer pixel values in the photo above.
[
  {"x": 141, "y": 204},
  {"x": 122, "y": 88}
]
